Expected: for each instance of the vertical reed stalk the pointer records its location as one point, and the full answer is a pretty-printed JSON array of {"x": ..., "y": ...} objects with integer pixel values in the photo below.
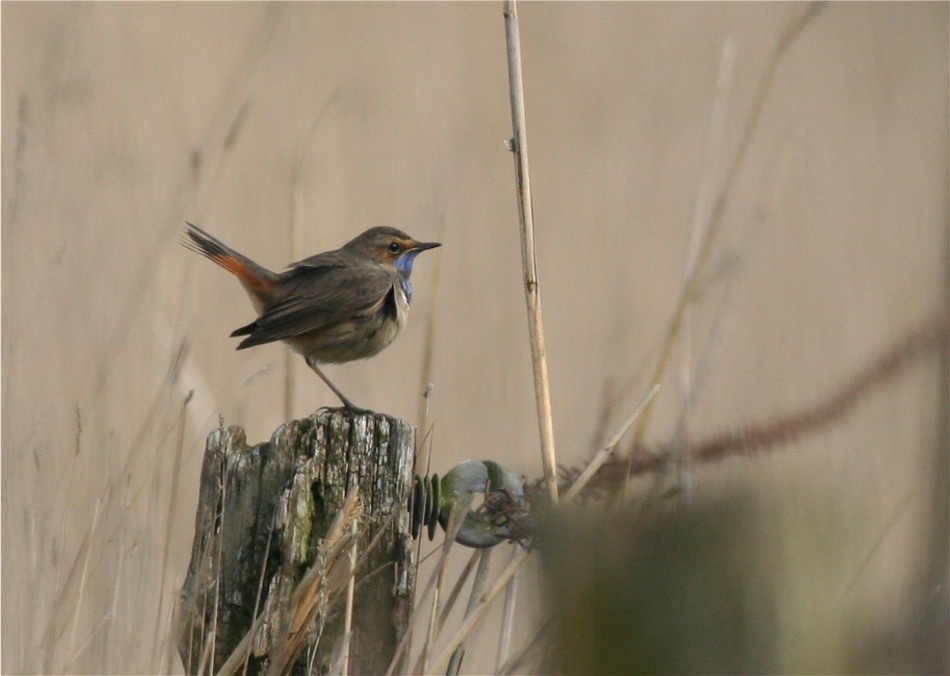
[{"x": 519, "y": 146}]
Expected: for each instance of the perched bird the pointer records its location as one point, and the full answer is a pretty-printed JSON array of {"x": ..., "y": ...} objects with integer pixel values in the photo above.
[{"x": 333, "y": 307}]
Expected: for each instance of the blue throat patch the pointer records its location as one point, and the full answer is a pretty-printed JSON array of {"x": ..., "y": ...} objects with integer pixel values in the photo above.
[
  {"x": 404, "y": 266},
  {"x": 404, "y": 262}
]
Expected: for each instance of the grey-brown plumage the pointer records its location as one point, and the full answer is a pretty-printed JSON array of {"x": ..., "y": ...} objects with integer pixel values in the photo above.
[{"x": 333, "y": 307}]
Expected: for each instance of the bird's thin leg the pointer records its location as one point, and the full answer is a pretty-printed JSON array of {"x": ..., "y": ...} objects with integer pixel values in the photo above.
[{"x": 346, "y": 402}]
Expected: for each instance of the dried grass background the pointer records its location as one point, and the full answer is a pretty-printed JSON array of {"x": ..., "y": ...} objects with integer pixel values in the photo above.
[{"x": 285, "y": 129}]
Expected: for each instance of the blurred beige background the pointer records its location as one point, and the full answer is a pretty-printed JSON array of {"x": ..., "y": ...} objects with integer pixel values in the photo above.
[{"x": 286, "y": 129}]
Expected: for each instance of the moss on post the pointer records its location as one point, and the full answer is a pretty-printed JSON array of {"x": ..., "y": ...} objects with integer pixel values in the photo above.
[{"x": 262, "y": 514}]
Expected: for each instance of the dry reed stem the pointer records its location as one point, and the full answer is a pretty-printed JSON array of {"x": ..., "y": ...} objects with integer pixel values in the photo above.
[
  {"x": 439, "y": 663},
  {"x": 459, "y": 584},
  {"x": 516, "y": 663},
  {"x": 222, "y": 526},
  {"x": 711, "y": 153},
  {"x": 694, "y": 282},
  {"x": 455, "y": 523},
  {"x": 172, "y": 506},
  {"x": 82, "y": 581},
  {"x": 428, "y": 350},
  {"x": 433, "y": 627},
  {"x": 257, "y": 596},
  {"x": 478, "y": 584},
  {"x": 508, "y": 617},
  {"x": 350, "y": 592},
  {"x": 456, "y": 519},
  {"x": 601, "y": 457},
  {"x": 519, "y": 146},
  {"x": 306, "y": 596},
  {"x": 319, "y": 580}
]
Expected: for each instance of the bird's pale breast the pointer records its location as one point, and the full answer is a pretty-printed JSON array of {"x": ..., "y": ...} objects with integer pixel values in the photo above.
[{"x": 356, "y": 338}]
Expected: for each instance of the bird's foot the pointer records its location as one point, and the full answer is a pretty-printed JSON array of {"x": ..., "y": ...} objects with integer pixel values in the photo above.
[{"x": 350, "y": 408}]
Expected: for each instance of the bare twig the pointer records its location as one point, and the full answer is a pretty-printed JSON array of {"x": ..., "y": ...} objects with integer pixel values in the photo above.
[{"x": 519, "y": 146}]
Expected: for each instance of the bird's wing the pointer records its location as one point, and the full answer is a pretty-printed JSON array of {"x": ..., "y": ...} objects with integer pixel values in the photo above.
[
  {"x": 327, "y": 259},
  {"x": 316, "y": 298}
]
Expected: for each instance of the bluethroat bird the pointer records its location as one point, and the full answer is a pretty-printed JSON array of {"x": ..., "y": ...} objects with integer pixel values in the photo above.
[{"x": 333, "y": 307}]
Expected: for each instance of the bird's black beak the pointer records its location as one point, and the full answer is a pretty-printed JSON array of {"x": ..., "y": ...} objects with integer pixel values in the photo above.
[{"x": 424, "y": 246}]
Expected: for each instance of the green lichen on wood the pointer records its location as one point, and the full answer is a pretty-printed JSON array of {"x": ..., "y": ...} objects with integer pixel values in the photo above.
[{"x": 262, "y": 512}]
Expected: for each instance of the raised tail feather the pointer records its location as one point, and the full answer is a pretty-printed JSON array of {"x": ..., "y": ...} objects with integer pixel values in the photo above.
[{"x": 257, "y": 280}]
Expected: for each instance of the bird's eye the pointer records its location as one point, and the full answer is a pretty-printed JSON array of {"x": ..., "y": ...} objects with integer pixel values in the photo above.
[{"x": 394, "y": 247}]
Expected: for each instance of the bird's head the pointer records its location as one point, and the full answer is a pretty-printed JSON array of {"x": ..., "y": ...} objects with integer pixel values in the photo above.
[{"x": 390, "y": 247}]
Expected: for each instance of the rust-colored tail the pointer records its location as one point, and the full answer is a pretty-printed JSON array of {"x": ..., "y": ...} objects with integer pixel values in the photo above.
[{"x": 255, "y": 279}]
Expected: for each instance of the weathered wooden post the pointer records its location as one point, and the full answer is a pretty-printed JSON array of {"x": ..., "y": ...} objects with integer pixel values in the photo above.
[{"x": 265, "y": 521}]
